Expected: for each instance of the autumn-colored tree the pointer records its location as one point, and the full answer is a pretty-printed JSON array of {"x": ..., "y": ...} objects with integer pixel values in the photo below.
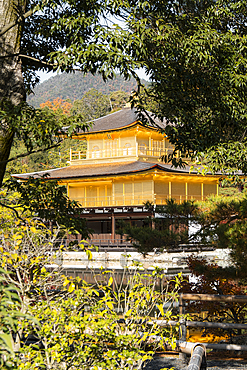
[
  {"x": 58, "y": 105},
  {"x": 209, "y": 278}
]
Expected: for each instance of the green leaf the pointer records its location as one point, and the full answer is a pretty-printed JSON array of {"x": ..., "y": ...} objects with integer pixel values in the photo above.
[{"x": 6, "y": 339}]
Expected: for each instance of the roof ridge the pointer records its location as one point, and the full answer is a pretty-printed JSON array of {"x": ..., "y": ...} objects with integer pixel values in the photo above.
[{"x": 110, "y": 114}]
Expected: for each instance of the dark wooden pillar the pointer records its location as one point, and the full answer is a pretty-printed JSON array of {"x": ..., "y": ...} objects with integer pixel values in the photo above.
[{"x": 113, "y": 228}]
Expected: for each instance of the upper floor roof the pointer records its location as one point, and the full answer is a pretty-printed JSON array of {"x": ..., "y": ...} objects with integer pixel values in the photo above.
[{"x": 121, "y": 120}]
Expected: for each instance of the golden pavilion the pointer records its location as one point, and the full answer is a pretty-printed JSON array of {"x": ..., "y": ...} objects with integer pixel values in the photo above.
[{"x": 121, "y": 169}]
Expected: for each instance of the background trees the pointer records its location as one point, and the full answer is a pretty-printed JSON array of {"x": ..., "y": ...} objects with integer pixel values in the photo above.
[
  {"x": 54, "y": 36},
  {"x": 195, "y": 54},
  {"x": 73, "y": 86},
  {"x": 93, "y": 105}
]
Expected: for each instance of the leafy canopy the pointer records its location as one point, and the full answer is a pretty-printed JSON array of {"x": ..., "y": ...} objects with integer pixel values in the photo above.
[
  {"x": 195, "y": 55},
  {"x": 77, "y": 35},
  {"x": 47, "y": 200}
]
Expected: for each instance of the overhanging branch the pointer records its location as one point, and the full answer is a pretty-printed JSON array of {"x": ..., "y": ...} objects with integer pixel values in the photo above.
[
  {"x": 46, "y": 64},
  {"x": 35, "y": 60},
  {"x": 32, "y": 152},
  {"x": 18, "y": 20},
  {"x": 13, "y": 210}
]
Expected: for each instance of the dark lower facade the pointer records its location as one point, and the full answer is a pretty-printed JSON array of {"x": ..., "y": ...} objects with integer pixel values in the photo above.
[{"x": 104, "y": 224}]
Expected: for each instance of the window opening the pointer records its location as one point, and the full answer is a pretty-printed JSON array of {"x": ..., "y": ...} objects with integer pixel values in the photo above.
[
  {"x": 95, "y": 152},
  {"x": 143, "y": 148},
  {"x": 127, "y": 149}
]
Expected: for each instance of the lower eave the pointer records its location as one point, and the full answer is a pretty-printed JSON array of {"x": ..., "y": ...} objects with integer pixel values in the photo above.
[{"x": 99, "y": 170}]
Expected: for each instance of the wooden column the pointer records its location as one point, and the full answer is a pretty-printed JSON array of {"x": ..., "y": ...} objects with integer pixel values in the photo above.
[
  {"x": 170, "y": 189},
  {"x": 133, "y": 192},
  {"x": 113, "y": 227},
  {"x": 106, "y": 199}
]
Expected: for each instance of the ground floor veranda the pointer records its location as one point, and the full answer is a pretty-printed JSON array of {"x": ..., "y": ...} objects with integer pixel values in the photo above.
[{"x": 104, "y": 224}]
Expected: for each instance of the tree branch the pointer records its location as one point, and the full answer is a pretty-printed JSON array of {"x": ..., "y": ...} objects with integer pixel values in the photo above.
[
  {"x": 37, "y": 60},
  {"x": 28, "y": 57},
  {"x": 33, "y": 152},
  {"x": 18, "y": 20},
  {"x": 42, "y": 63},
  {"x": 14, "y": 210}
]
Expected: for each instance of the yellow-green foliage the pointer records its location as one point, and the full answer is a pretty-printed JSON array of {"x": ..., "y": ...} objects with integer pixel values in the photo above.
[
  {"x": 8, "y": 202},
  {"x": 79, "y": 325},
  {"x": 101, "y": 327}
]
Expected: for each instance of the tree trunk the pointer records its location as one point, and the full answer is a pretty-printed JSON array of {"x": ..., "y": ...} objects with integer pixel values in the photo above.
[{"x": 12, "y": 88}]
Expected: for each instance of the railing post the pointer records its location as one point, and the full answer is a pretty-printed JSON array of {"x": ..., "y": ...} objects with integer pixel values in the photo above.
[{"x": 182, "y": 326}]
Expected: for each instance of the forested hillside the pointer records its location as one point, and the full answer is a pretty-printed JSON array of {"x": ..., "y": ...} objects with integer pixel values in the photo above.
[
  {"x": 74, "y": 85},
  {"x": 92, "y": 105}
]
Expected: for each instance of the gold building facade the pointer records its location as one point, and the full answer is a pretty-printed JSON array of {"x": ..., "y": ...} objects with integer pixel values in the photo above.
[{"x": 120, "y": 169}]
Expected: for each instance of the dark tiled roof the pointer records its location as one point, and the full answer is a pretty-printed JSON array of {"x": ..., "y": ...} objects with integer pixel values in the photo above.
[
  {"x": 119, "y": 120},
  {"x": 86, "y": 171}
]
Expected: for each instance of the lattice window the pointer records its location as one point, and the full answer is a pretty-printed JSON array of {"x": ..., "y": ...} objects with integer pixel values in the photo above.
[
  {"x": 127, "y": 149},
  {"x": 143, "y": 148},
  {"x": 96, "y": 152}
]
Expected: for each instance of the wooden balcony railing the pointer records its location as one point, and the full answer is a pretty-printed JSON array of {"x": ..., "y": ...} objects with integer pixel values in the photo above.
[
  {"x": 119, "y": 152},
  {"x": 132, "y": 200}
]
